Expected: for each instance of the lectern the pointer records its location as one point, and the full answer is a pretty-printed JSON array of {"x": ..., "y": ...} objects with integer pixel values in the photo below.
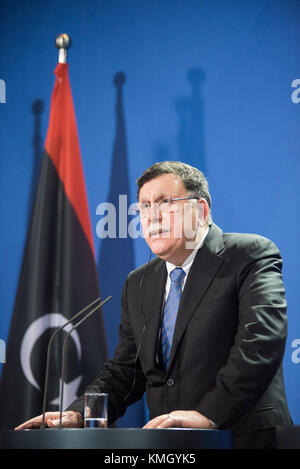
[{"x": 115, "y": 438}]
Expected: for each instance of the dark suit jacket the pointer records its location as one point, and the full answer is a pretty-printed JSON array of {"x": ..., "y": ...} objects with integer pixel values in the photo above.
[{"x": 228, "y": 344}]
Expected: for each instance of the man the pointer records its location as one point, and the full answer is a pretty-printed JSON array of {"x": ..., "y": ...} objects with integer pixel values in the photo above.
[{"x": 203, "y": 325}]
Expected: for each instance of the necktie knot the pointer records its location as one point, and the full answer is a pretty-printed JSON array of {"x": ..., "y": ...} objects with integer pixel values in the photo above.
[{"x": 177, "y": 274}]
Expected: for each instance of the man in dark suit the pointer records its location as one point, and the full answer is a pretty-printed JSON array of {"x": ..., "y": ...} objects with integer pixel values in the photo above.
[{"x": 203, "y": 325}]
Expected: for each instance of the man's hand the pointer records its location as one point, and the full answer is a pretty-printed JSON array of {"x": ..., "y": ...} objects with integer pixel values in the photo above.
[
  {"x": 180, "y": 418},
  {"x": 70, "y": 419}
]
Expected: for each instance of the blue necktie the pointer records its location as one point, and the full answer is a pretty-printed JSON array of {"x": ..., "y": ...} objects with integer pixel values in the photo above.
[{"x": 170, "y": 313}]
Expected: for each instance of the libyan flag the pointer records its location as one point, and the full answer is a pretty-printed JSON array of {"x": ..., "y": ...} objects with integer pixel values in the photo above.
[{"x": 58, "y": 278}]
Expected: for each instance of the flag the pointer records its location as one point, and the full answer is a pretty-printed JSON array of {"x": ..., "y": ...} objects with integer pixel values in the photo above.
[{"x": 57, "y": 279}]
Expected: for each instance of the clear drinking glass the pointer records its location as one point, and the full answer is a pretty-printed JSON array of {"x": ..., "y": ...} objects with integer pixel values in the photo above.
[{"x": 95, "y": 410}]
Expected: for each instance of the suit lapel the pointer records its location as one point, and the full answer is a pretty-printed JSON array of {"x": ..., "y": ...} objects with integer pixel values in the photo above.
[{"x": 204, "y": 269}]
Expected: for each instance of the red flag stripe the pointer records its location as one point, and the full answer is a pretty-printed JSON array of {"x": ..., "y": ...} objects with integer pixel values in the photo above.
[{"x": 62, "y": 145}]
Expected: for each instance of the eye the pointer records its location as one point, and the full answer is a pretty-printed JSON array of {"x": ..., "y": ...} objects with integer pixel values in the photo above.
[{"x": 165, "y": 202}]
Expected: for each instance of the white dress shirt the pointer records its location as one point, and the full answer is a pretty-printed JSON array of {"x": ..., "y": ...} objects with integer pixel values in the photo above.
[{"x": 186, "y": 266}]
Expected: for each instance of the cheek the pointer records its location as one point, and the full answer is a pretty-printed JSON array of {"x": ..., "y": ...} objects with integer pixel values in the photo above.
[
  {"x": 176, "y": 225},
  {"x": 167, "y": 220},
  {"x": 190, "y": 223},
  {"x": 144, "y": 226}
]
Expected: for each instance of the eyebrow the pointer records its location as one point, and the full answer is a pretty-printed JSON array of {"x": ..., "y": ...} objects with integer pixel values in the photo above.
[{"x": 158, "y": 198}]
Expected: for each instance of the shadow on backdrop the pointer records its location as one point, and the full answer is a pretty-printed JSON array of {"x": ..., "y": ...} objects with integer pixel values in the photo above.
[
  {"x": 191, "y": 131},
  {"x": 116, "y": 258},
  {"x": 161, "y": 152},
  {"x": 37, "y": 145}
]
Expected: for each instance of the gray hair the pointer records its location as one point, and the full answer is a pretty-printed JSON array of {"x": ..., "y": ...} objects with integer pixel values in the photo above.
[{"x": 192, "y": 178}]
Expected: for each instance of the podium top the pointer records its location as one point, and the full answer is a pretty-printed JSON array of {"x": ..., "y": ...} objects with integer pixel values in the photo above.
[{"x": 115, "y": 438}]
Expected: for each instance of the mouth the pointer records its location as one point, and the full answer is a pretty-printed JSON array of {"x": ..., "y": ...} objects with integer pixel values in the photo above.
[{"x": 158, "y": 233}]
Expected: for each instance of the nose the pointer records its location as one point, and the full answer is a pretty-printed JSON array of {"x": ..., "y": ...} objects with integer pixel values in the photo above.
[{"x": 154, "y": 213}]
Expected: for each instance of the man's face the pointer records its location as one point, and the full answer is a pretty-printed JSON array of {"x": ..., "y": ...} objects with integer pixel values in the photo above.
[{"x": 170, "y": 234}]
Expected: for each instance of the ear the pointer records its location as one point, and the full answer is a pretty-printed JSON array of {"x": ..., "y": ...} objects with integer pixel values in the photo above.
[{"x": 203, "y": 211}]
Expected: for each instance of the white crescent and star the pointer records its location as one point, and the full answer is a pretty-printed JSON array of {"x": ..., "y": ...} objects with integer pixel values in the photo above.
[{"x": 32, "y": 334}]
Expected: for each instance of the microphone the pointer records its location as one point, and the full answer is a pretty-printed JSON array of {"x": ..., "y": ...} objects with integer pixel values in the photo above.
[
  {"x": 46, "y": 384},
  {"x": 64, "y": 353}
]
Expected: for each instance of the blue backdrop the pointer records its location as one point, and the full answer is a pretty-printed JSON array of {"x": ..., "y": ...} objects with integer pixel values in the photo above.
[{"x": 212, "y": 83}]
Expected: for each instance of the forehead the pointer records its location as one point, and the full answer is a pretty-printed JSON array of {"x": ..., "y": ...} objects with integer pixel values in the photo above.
[{"x": 166, "y": 185}]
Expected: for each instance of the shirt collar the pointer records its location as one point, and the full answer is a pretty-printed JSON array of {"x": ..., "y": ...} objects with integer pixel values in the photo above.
[{"x": 189, "y": 260}]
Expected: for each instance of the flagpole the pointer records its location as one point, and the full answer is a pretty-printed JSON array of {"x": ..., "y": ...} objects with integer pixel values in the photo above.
[{"x": 63, "y": 43}]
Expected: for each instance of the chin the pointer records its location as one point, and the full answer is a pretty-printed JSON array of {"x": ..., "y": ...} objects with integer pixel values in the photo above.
[{"x": 161, "y": 247}]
